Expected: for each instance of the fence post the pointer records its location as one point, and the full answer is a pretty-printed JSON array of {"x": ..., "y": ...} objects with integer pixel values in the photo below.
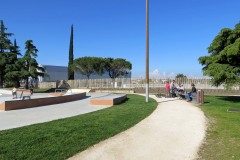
[{"x": 200, "y": 96}]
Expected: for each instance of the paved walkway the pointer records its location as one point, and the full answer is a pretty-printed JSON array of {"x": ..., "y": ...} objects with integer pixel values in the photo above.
[{"x": 174, "y": 131}]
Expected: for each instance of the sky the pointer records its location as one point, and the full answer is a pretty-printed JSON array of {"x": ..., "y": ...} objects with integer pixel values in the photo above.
[{"x": 180, "y": 31}]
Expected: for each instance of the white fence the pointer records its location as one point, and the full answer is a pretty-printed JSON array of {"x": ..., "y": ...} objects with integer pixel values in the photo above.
[{"x": 129, "y": 83}]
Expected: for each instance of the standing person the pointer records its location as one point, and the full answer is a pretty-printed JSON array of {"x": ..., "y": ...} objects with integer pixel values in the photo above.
[
  {"x": 31, "y": 88},
  {"x": 172, "y": 88},
  {"x": 167, "y": 87},
  {"x": 14, "y": 92},
  {"x": 192, "y": 93}
]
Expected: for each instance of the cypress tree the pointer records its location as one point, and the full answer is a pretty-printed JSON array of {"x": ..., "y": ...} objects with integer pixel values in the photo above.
[
  {"x": 13, "y": 68},
  {"x": 70, "y": 62},
  {"x": 5, "y": 51}
]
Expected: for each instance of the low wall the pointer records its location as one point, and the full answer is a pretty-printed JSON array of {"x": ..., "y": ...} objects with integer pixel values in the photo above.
[
  {"x": 215, "y": 92},
  {"x": 114, "y": 90},
  {"x": 21, "y": 104}
]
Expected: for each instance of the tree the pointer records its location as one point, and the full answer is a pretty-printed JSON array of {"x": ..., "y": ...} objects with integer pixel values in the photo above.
[
  {"x": 89, "y": 66},
  {"x": 222, "y": 65},
  {"x": 70, "y": 62},
  {"x": 180, "y": 75},
  {"x": 30, "y": 67},
  {"x": 5, "y": 51},
  {"x": 12, "y": 70},
  {"x": 117, "y": 67}
]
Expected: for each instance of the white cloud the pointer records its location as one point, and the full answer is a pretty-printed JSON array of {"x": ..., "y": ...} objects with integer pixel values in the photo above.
[{"x": 154, "y": 74}]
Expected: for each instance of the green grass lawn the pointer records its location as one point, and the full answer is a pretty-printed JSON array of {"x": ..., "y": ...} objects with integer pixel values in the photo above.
[
  {"x": 43, "y": 90},
  {"x": 223, "y": 135},
  {"x": 63, "y": 138}
]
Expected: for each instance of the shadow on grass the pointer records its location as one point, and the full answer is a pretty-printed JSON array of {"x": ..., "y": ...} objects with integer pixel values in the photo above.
[
  {"x": 124, "y": 101},
  {"x": 233, "y": 99}
]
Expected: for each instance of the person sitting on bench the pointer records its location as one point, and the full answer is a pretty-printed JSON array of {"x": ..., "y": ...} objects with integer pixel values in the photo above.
[
  {"x": 192, "y": 93},
  {"x": 180, "y": 91}
]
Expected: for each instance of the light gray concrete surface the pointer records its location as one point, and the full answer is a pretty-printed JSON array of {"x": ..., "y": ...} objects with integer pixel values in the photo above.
[
  {"x": 174, "y": 131},
  {"x": 109, "y": 96},
  {"x": 22, "y": 117}
]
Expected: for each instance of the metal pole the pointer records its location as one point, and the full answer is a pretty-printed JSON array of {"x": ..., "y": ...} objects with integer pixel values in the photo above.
[{"x": 147, "y": 51}]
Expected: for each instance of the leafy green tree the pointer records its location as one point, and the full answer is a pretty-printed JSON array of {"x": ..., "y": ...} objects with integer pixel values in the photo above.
[
  {"x": 117, "y": 67},
  {"x": 70, "y": 62},
  {"x": 222, "y": 65},
  {"x": 5, "y": 51},
  {"x": 180, "y": 75},
  {"x": 89, "y": 66},
  {"x": 30, "y": 67}
]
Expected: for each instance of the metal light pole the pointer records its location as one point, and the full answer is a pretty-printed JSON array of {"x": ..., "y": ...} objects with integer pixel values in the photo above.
[{"x": 147, "y": 52}]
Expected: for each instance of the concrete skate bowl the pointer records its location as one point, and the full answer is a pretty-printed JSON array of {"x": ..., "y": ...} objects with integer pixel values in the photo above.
[{"x": 30, "y": 103}]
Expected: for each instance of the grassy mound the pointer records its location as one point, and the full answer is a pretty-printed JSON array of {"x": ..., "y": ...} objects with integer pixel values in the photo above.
[{"x": 63, "y": 138}]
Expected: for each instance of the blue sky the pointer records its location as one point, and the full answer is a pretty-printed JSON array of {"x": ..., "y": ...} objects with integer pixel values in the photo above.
[{"x": 180, "y": 31}]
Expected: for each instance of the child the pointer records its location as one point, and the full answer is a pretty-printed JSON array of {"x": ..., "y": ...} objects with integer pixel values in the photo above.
[{"x": 14, "y": 92}]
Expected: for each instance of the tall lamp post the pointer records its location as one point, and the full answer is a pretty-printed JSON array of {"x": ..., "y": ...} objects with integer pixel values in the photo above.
[{"x": 147, "y": 51}]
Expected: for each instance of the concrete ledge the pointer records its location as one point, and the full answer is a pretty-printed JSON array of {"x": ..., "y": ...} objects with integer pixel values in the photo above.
[
  {"x": 108, "y": 100},
  {"x": 114, "y": 91},
  {"x": 2, "y": 106},
  {"x": 78, "y": 91},
  {"x": 21, "y": 104},
  {"x": 55, "y": 94}
]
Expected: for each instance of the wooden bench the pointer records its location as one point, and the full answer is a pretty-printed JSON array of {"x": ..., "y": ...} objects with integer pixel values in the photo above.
[{"x": 25, "y": 94}]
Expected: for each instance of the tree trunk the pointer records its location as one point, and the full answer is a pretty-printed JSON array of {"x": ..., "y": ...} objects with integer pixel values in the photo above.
[
  {"x": 1, "y": 81},
  {"x": 113, "y": 81},
  {"x": 26, "y": 82},
  {"x": 88, "y": 81}
]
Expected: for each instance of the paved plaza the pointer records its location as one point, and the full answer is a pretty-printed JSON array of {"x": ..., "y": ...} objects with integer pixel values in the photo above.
[{"x": 22, "y": 117}]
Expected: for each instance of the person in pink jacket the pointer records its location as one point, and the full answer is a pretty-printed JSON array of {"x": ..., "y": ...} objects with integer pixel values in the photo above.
[{"x": 167, "y": 87}]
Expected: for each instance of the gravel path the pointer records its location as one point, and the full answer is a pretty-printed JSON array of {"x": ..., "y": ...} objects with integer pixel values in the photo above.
[{"x": 174, "y": 131}]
